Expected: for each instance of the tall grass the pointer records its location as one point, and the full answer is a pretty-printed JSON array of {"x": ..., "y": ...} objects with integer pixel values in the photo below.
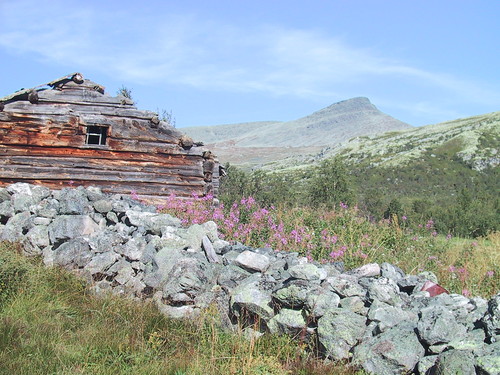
[
  {"x": 50, "y": 323},
  {"x": 467, "y": 266}
]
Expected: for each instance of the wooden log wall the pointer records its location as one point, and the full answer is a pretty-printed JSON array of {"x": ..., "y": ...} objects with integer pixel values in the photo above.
[{"x": 43, "y": 141}]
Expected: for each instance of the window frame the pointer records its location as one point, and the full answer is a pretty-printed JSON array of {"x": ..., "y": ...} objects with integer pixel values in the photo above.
[{"x": 97, "y": 132}]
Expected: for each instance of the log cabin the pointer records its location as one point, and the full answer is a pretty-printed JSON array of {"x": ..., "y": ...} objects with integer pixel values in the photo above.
[{"x": 69, "y": 132}]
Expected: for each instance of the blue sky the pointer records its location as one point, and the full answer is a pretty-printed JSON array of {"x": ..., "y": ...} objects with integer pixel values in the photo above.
[{"x": 216, "y": 62}]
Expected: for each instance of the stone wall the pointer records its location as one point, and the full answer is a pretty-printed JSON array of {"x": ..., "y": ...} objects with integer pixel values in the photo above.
[{"x": 376, "y": 315}]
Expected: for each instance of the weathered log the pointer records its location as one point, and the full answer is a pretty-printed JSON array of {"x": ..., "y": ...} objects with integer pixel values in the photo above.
[
  {"x": 155, "y": 120},
  {"x": 188, "y": 170},
  {"x": 186, "y": 142},
  {"x": 151, "y": 190},
  {"x": 91, "y": 175},
  {"x": 33, "y": 97},
  {"x": 77, "y": 78},
  {"x": 169, "y": 158},
  {"x": 209, "y": 189}
]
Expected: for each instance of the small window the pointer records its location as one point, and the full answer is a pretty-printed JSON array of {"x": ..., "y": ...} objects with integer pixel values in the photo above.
[{"x": 96, "y": 135}]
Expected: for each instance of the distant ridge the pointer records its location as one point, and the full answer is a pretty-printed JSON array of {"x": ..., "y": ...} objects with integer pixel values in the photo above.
[{"x": 259, "y": 142}]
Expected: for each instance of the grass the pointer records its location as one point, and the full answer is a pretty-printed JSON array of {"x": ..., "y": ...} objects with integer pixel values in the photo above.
[{"x": 50, "y": 323}]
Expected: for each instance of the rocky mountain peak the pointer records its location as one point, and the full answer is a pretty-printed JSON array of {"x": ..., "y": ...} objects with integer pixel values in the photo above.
[
  {"x": 353, "y": 104},
  {"x": 270, "y": 141}
]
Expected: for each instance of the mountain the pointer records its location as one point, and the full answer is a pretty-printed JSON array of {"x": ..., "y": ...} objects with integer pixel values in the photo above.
[
  {"x": 473, "y": 141},
  {"x": 257, "y": 143}
]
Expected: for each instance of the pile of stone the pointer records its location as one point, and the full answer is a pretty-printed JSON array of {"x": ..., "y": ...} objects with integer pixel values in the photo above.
[{"x": 376, "y": 315}]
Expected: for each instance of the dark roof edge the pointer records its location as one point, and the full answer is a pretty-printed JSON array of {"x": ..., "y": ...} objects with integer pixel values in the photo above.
[{"x": 23, "y": 93}]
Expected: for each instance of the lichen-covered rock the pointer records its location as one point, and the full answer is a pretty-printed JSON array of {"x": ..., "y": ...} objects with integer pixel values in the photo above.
[
  {"x": 355, "y": 304},
  {"x": 345, "y": 286},
  {"x": 473, "y": 340},
  {"x": 16, "y": 227},
  {"x": 320, "y": 301},
  {"x": 307, "y": 271},
  {"x": 384, "y": 290},
  {"x": 151, "y": 222},
  {"x": 24, "y": 196},
  {"x": 66, "y": 227},
  {"x": 163, "y": 262},
  {"x": 249, "y": 298},
  {"x": 395, "y": 351},
  {"x": 105, "y": 240},
  {"x": 491, "y": 319},
  {"x": 6, "y": 210},
  {"x": 387, "y": 316},
  {"x": 133, "y": 249},
  {"x": 488, "y": 359},
  {"x": 288, "y": 322},
  {"x": 339, "y": 330},
  {"x": 189, "y": 277},
  {"x": 75, "y": 251},
  {"x": 252, "y": 261},
  {"x": 101, "y": 262},
  {"x": 231, "y": 276},
  {"x": 426, "y": 363},
  {"x": 454, "y": 362},
  {"x": 367, "y": 270},
  {"x": 103, "y": 206},
  {"x": 293, "y": 294},
  {"x": 193, "y": 236},
  {"x": 4, "y": 195},
  {"x": 391, "y": 271},
  {"x": 437, "y": 325},
  {"x": 73, "y": 202}
]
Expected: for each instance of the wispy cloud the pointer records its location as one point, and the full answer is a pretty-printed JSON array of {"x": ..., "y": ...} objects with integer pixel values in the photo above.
[{"x": 184, "y": 49}]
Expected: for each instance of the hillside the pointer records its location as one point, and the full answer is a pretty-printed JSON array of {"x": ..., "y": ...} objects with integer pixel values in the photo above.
[
  {"x": 473, "y": 141},
  {"x": 257, "y": 143}
]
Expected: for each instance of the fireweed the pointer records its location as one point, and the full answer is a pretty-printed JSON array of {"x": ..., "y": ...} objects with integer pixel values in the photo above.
[{"x": 344, "y": 234}]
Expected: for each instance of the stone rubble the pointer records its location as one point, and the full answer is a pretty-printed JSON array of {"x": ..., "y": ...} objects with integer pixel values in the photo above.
[{"x": 376, "y": 315}]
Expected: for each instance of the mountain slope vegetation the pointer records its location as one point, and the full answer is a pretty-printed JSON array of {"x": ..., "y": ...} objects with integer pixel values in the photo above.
[{"x": 446, "y": 172}]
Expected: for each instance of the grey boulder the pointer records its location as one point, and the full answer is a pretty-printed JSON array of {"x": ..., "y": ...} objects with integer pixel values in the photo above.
[
  {"x": 339, "y": 330},
  {"x": 395, "y": 351}
]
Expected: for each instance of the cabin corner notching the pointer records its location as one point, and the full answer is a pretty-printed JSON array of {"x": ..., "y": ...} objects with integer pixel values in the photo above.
[{"x": 70, "y": 132}]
